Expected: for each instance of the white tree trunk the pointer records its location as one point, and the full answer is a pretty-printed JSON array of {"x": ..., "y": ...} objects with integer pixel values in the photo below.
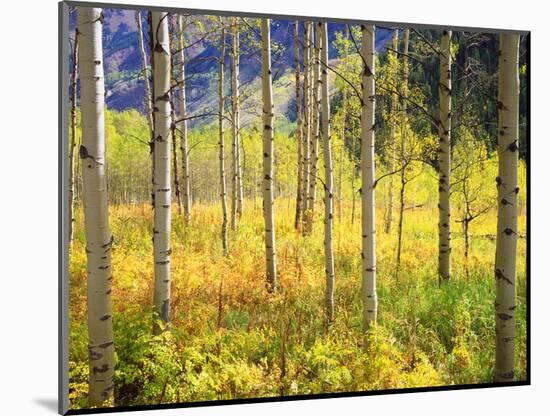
[
  {"x": 445, "y": 157},
  {"x": 507, "y": 226},
  {"x": 299, "y": 189},
  {"x": 329, "y": 200},
  {"x": 236, "y": 190},
  {"x": 368, "y": 255},
  {"x": 307, "y": 120},
  {"x": 221, "y": 133},
  {"x": 96, "y": 208},
  {"x": 267, "y": 96},
  {"x": 145, "y": 72},
  {"x": 162, "y": 178},
  {"x": 237, "y": 118},
  {"x": 315, "y": 124},
  {"x": 72, "y": 144},
  {"x": 184, "y": 147},
  {"x": 173, "y": 33}
]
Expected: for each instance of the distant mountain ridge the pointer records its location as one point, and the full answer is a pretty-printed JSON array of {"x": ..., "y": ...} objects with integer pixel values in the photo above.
[{"x": 122, "y": 62}]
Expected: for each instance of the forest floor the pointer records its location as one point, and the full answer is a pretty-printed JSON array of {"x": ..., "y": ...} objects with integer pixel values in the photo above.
[{"x": 230, "y": 339}]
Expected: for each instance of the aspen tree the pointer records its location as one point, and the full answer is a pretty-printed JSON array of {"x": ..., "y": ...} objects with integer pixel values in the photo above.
[
  {"x": 162, "y": 177},
  {"x": 307, "y": 119},
  {"x": 403, "y": 148},
  {"x": 72, "y": 144},
  {"x": 173, "y": 39},
  {"x": 445, "y": 157},
  {"x": 329, "y": 200},
  {"x": 236, "y": 190},
  {"x": 184, "y": 147},
  {"x": 96, "y": 208},
  {"x": 389, "y": 214},
  {"x": 368, "y": 254},
  {"x": 315, "y": 124},
  {"x": 507, "y": 225},
  {"x": 267, "y": 98},
  {"x": 299, "y": 143},
  {"x": 237, "y": 120},
  {"x": 152, "y": 138},
  {"x": 145, "y": 73},
  {"x": 223, "y": 185}
]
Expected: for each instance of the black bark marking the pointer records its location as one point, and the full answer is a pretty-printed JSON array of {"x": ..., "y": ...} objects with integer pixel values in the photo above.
[
  {"x": 103, "y": 369},
  {"x": 94, "y": 355},
  {"x": 500, "y": 276},
  {"x": 83, "y": 154},
  {"x": 513, "y": 147},
  {"x": 504, "y": 316}
]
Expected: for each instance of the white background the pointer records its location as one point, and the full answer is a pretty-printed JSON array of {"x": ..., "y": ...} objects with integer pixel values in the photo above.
[{"x": 28, "y": 206}]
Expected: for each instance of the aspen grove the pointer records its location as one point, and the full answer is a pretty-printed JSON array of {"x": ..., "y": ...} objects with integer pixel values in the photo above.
[{"x": 262, "y": 207}]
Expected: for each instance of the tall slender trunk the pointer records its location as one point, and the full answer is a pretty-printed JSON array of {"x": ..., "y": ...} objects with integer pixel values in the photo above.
[
  {"x": 223, "y": 186},
  {"x": 507, "y": 226},
  {"x": 173, "y": 42},
  {"x": 344, "y": 119},
  {"x": 72, "y": 144},
  {"x": 162, "y": 177},
  {"x": 236, "y": 189},
  {"x": 389, "y": 213},
  {"x": 267, "y": 98},
  {"x": 299, "y": 190},
  {"x": 96, "y": 208},
  {"x": 368, "y": 255},
  {"x": 145, "y": 73},
  {"x": 445, "y": 157},
  {"x": 184, "y": 147},
  {"x": 403, "y": 150},
  {"x": 237, "y": 119},
  {"x": 315, "y": 123},
  {"x": 152, "y": 137},
  {"x": 329, "y": 200},
  {"x": 307, "y": 120}
]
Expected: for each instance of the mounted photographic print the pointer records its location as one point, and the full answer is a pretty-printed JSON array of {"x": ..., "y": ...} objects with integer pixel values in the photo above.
[{"x": 262, "y": 208}]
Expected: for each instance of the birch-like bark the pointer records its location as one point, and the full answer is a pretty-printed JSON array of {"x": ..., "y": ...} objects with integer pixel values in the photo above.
[
  {"x": 299, "y": 190},
  {"x": 223, "y": 185},
  {"x": 72, "y": 144},
  {"x": 307, "y": 120},
  {"x": 329, "y": 200},
  {"x": 445, "y": 157},
  {"x": 403, "y": 149},
  {"x": 236, "y": 183},
  {"x": 368, "y": 255},
  {"x": 96, "y": 208},
  {"x": 315, "y": 124},
  {"x": 145, "y": 73},
  {"x": 184, "y": 147},
  {"x": 173, "y": 43},
  {"x": 162, "y": 177},
  {"x": 152, "y": 137},
  {"x": 389, "y": 213},
  {"x": 267, "y": 98},
  {"x": 507, "y": 225},
  {"x": 237, "y": 119}
]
